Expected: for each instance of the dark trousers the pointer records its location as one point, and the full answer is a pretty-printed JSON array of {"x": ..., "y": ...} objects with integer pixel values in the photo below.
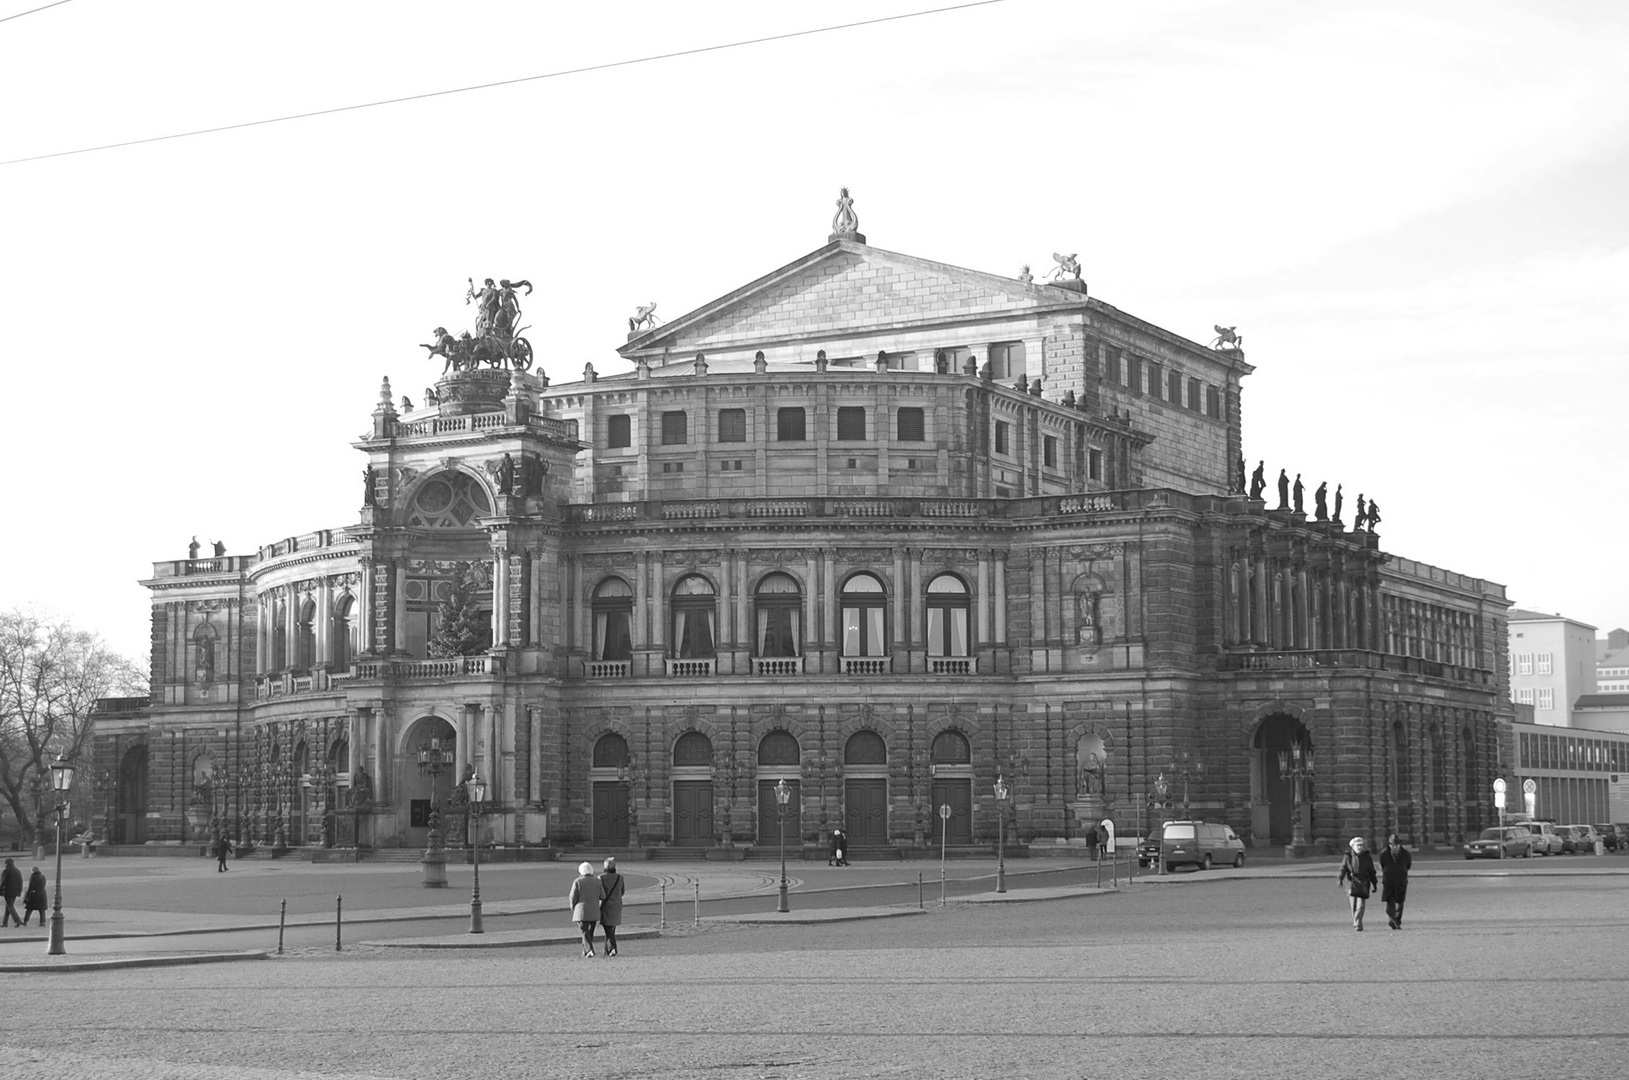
[
  {"x": 11, "y": 912},
  {"x": 28, "y": 912},
  {"x": 222, "y": 859},
  {"x": 610, "y": 938},
  {"x": 1394, "y": 906}
]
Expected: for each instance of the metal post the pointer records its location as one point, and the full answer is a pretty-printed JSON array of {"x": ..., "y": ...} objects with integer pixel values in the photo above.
[
  {"x": 661, "y": 921},
  {"x": 475, "y": 926},
  {"x": 282, "y": 921},
  {"x": 782, "y": 796},
  {"x": 1001, "y": 845},
  {"x": 944, "y": 839},
  {"x": 919, "y": 890},
  {"x": 57, "y": 946},
  {"x": 697, "y": 918},
  {"x": 339, "y": 911}
]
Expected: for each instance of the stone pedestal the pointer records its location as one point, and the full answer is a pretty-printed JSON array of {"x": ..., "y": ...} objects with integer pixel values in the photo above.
[{"x": 433, "y": 866}]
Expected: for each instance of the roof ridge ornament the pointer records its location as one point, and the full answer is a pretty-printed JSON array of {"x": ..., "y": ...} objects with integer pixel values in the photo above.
[{"x": 845, "y": 224}]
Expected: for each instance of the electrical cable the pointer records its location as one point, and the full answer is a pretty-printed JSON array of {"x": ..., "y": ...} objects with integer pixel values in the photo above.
[
  {"x": 30, "y": 11},
  {"x": 502, "y": 82}
]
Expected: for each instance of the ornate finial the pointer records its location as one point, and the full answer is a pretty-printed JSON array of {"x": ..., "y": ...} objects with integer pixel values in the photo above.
[
  {"x": 845, "y": 225},
  {"x": 1227, "y": 340},
  {"x": 384, "y": 392}
]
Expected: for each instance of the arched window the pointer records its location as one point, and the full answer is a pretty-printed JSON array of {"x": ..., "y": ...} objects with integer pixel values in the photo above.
[
  {"x": 778, "y": 748},
  {"x": 448, "y": 500},
  {"x": 344, "y": 631},
  {"x": 610, "y": 751},
  {"x": 279, "y": 633},
  {"x": 305, "y": 636},
  {"x": 339, "y": 757},
  {"x": 864, "y": 603},
  {"x": 865, "y": 748},
  {"x": 951, "y": 748},
  {"x": 948, "y": 606},
  {"x": 613, "y": 617},
  {"x": 694, "y": 607},
  {"x": 693, "y": 748},
  {"x": 778, "y": 607}
]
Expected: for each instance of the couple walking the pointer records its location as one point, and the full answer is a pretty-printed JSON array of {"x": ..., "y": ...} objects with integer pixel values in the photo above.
[
  {"x": 598, "y": 900},
  {"x": 1359, "y": 877},
  {"x": 11, "y": 887}
]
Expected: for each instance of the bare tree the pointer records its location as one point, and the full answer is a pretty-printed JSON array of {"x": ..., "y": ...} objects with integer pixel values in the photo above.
[{"x": 51, "y": 674}]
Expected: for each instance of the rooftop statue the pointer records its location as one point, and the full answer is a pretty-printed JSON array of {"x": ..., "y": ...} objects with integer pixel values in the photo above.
[
  {"x": 845, "y": 221},
  {"x": 644, "y": 315},
  {"x": 1068, "y": 266},
  {"x": 1226, "y": 339},
  {"x": 1024, "y": 275},
  {"x": 496, "y": 341}
]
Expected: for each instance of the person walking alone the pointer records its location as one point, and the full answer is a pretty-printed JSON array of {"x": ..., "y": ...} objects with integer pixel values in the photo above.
[
  {"x": 585, "y": 905},
  {"x": 1357, "y": 874},
  {"x": 11, "y": 887},
  {"x": 1394, "y": 865},
  {"x": 34, "y": 899},
  {"x": 223, "y": 848},
  {"x": 612, "y": 886}
]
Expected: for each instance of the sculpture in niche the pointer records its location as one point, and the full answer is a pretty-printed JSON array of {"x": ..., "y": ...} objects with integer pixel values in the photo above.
[
  {"x": 204, "y": 667},
  {"x": 1243, "y": 474},
  {"x": 506, "y": 475},
  {"x": 1088, "y": 634},
  {"x": 361, "y": 787},
  {"x": 369, "y": 496}
]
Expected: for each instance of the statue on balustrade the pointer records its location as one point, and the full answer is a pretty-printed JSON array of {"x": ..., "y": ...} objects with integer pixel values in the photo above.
[
  {"x": 1300, "y": 493},
  {"x": 220, "y": 549},
  {"x": 1336, "y": 516},
  {"x": 1283, "y": 489},
  {"x": 192, "y": 549},
  {"x": 1362, "y": 517},
  {"x": 1374, "y": 514},
  {"x": 1258, "y": 480},
  {"x": 1320, "y": 502}
]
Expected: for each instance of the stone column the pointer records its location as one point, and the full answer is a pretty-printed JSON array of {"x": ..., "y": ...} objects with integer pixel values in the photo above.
[
  {"x": 984, "y": 598},
  {"x": 904, "y": 632},
  {"x": 658, "y": 637},
  {"x": 641, "y": 611},
  {"x": 500, "y": 599},
  {"x": 1261, "y": 624},
  {"x": 829, "y": 600},
  {"x": 726, "y": 637},
  {"x": 811, "y": 636},
  {"x": 1001, "y": 598},
  {"x": 382, "y": 736},
  {"x": 918, "y": 589},
  {"x": 746, "y": 632},
  {"x": 398, "y": 605},
  {"x": 364, "y": 607},
  {"x": 321, "y": 645}
]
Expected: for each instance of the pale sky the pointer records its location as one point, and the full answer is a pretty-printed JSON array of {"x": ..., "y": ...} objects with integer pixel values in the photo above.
[{"x": 1414, "y": 213}]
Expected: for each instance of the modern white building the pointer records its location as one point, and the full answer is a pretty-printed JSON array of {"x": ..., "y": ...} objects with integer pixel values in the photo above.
[
  {"x": 1552, "y": 664},
  {"x": 1612, "y": 663}
]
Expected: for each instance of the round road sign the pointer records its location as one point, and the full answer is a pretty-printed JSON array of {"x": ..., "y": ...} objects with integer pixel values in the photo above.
[
  {"x": 1499, "y": 785},
  {"x": 1529, "y": 786}
]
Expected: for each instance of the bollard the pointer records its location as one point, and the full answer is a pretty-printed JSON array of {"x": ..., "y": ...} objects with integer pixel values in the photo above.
[
  {"x": 697, "y": 921},
  {"x": 941, "y": 884},
  {"x": 661, "y": 918},
  {"x": 282, "y": 919},
  {"x": 919, "y": 890},
  {"x": 1117, "y": 868},
  {"x": 339, "y": 908},
  {"x": 1099, "y": 872}
]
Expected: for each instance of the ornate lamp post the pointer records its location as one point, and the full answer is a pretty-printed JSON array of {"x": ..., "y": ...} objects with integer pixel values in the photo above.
[
  {"x": 1187, "y": 770},
  {"x": 783, "y": 795},
  {"x": 477, "y": 798},
  {"x": 1001, "y": 834},
  {"x": 626, "y": 775},
  {"x": 62, "y": 778},
  {"x": 432, "y": 761},
  {"x": 1295, "y": 765},
  {"x": 1162, "y": 788}
]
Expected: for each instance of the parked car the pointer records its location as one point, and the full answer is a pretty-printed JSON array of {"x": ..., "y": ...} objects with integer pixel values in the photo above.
[
  {"x": 1569, "y": 840},
  {"x": 1586, "y": 836},
  {"x": 1546, "y": 840},
  {"x": 1199, "y": 843},
  {"x": 1609, "y": 836},
  {"x": 1516, "y": 841},
  {"x": 1621, "y": 830}
]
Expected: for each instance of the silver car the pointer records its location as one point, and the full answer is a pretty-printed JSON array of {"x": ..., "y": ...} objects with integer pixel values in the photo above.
[{"x": 1546, "y": 840}]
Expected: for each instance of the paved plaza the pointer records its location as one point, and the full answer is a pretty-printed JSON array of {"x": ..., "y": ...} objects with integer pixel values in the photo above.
[{"x": 1231, "y": 973}]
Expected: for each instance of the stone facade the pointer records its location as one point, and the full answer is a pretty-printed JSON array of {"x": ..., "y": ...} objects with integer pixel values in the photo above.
[{"x": 874, "y": 526}]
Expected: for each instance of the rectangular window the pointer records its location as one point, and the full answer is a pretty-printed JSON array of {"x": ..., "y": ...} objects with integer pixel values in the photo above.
[
  {"x": 909, "y": 426},
  {"x": 953, "y": 361},
  {"x": 1524, "y": 696},
  {"x": 1173, "y": 388},
  {"x": 618, "y": 430},
  {"x": 1134, "y": 374},
  {"x": 732, "y": 425},
  {"x": 1007, "y": 361},
  {"x": 1193, "y": 395},
  {"x": 851, "y": 423},
  {"x": 1543, "y": 662},
  {"x": 1156, "y": 380},
  {"x": 1049, "y": 451},
  {"x": 675, "y": 428},
  {"x": 1213, "y": 403},
  {"x": 1524, "y": 664},
  {"x": 789, "y": 425},
  {"x": 1546, "y": 698},
  {"x": 1094, "y": 464},
  {"x": 903, "y": 361},
  {"x": 1001, "y": 437},
  {"x": 1111, "y": 366}
]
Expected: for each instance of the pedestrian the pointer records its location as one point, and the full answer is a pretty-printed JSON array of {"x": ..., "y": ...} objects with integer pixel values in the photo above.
[
  {"x": 1357, "y": 874},
  {"x": 612, "y": 886},
  {"x": 11, "y": 887},
  {"x": 223, "y": 848},
  {"x": 1094, "y": 842},
  {"x": 34, "y": 899},
  {"x": 1394, "y": 866},
  {"x": 585, "y": 905},
  {"x": 839, "y": 849}
]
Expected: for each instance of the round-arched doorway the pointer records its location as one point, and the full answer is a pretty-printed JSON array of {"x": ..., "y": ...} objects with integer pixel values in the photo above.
[{"x": 1280, "y": 747}]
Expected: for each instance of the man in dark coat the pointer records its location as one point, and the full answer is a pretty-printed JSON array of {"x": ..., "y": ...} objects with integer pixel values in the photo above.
[
  {"x": 223, "y": 848},
  {"x": 34, "y": 898},
  {"x": 1394, "y": 863},
  {"x": 11, "y": 887},
  {"x": 839, "y": 849}
]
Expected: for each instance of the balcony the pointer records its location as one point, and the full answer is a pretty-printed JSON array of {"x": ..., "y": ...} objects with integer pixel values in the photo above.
[
  {"x": 953, "y": 665},
  {"x": 868, "y": 665},
  {"x": 1324, "y": 659},
  {"x": 686, "y": 669},
  {"x": 607, "y": 669},
  {"x": 777, "y": 665},
  {"x": 452, "y": 667}
]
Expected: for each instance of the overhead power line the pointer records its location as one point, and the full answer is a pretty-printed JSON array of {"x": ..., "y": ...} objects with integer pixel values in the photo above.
[
  {"x": 502, "y": 82},
  {"x": 30, "y": 11}
]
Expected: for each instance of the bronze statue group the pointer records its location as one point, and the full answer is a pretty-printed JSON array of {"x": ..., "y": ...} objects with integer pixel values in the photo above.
[{"x": 1292, "y": 496}]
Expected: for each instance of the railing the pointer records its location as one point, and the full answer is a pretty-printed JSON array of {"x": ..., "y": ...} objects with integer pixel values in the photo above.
[
  {"x": 689, "y": 668},
  {"x": 121, "y": 704},
  {"x": 453, "y": 667},
  {"x": 953, "y": 665},
  {"x": 777, "y": 665},
  {"x": 958, "y": 509},
  {"x": 1311, "y": 659},
  {"x": 204, "y": 566},
  {"x": 868, "y": 665},
  {"x": 452, "y": 425},
  {"x": 608, "y": 669},
  {"x": 778, "y": 509},
  {"x": 1079, "y": 504},
  {"x": 686, "y": 511}
]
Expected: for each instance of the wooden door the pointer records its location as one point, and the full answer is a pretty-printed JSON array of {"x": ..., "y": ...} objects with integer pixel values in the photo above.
[
  {"x": 769, "y": 815},
  {"x": 610, "y": 813},
  {"x": 131, "y": 826},
  {"x": 865, "y": 812},
  {"x": 958, "y": 795},
  {"x": 692, "y": 813}
]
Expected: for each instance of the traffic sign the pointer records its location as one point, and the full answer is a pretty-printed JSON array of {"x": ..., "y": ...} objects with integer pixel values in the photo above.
[
  {"x": 1498, "y": 785},
  {"x": 944, "y": 811},
  {"x": 1529, "y": 786}
]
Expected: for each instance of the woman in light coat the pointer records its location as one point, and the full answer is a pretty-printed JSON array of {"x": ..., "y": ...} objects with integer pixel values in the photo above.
[
  {"x": 612, "y": 886},
  {"x": 585, "y": 905},
  {"x": 1358, "y": 875}
]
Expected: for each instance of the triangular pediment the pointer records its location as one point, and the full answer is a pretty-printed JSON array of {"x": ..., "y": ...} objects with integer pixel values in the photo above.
[{"x": 847, "y": 288}]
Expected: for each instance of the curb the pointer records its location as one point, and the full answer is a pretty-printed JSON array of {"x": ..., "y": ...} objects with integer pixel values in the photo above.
[{"x": 131, "y": 962}]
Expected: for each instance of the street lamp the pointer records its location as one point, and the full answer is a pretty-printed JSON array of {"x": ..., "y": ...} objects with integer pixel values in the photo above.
[
  {"x": 1295, "y": 765},
  {"x": 783, "y": 795},
  {"x": 1188, "y": 769},
  {"x": 477, "y": 796},
  {"x": 432, "y": 761},
  {"x": 62, "y": 778},
  {"x": 1001, "y": 834},
  {"x": 1162, "y": 787}
]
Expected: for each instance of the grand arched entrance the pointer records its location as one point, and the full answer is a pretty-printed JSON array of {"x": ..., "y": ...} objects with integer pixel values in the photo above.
[
  {"x": 130, "y": 817},
  {"x": 1280, "y": 749},
  {"x": 429, "y": 773},
  {"x": 611, "y": 782}
]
